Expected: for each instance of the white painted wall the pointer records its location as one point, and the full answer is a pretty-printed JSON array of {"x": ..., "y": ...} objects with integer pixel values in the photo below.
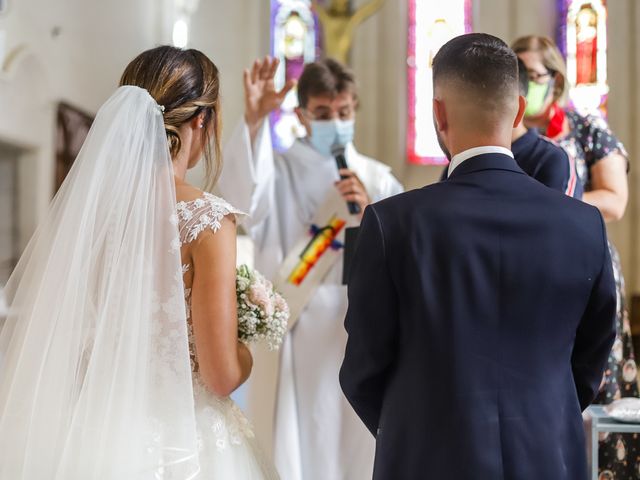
[
  {"x": 76, "y": 50},
  {"x": 83, "y": 45},
  {"x": 70, "y": 50},
  {"x": 232, "y": 34}
]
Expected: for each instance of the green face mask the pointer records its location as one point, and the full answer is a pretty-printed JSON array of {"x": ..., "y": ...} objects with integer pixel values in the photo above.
[{"x": 536, "y": 98}]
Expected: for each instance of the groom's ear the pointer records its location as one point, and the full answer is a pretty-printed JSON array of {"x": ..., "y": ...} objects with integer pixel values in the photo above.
[
  {"x": 440, "y": 115},
  {"x": 522, "y": 105}
]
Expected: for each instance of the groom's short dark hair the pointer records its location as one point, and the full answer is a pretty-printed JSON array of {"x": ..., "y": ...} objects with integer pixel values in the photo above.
[
  {"x": 523, "y": 78},
  {"x": 481, "y": 64}
]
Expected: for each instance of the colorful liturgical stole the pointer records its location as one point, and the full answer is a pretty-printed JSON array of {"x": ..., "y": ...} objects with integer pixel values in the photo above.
[{"x": 311, "y": 258}]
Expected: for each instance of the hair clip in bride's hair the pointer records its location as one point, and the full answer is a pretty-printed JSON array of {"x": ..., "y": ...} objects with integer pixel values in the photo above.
[{"x": 161, "y": 108}]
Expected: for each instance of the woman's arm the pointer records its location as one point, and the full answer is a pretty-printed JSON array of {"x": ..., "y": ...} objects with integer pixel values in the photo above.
[
  {"x": 609, "y": 190},
  {"x": 224, "y": 362}
]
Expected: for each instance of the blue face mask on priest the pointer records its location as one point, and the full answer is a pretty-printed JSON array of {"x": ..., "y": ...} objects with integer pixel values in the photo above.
[
  {"x": 328, "y": 134},
  {"x": 329, "y": 121}
]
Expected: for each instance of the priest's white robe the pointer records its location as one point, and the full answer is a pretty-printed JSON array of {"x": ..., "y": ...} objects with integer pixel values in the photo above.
[{"x": 294, "y": 398}]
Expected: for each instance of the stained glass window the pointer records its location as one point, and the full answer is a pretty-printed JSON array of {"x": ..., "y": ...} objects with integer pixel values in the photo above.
[
  {"x": 295, "y": 40},
  {"x": 583, "y": 40},
  {"x": 431, "y": 25}
]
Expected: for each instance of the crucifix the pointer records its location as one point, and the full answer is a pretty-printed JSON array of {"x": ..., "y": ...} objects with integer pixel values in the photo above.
[{"x": 339, "y": 24}]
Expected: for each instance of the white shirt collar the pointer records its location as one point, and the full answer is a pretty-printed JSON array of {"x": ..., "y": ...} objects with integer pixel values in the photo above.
[{"x": 472, "y": 152}]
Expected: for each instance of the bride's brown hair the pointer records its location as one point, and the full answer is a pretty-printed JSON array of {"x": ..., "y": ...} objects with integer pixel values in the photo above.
[{"x": 186, "y": 83}]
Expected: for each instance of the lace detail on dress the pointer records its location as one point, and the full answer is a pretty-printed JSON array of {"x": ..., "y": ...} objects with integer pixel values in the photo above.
[
  {"x": 193, "y": 218},
  {"x": 220, "y": 418},
  {"x": 220, "y": 423},
  {"x": 166, "y": 307},
  {"x": 192, "y": 345},
  {"x": 205, "y": 212}
]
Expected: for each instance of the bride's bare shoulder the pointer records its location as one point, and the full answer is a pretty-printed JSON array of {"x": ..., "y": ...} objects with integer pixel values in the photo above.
[{"x": 187, "y": 193}]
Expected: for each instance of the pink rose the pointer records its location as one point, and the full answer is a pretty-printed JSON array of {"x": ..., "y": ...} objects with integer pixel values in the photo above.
[
  {"x": 259, "y": 296},
  {"x": 281, "y": 305}
]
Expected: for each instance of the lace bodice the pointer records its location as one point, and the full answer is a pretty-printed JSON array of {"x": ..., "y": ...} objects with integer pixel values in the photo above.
[
  {"x": 194, "y": 217},
  {"x": 221, "y": 423},
  {"x": 197, "y": 215}
]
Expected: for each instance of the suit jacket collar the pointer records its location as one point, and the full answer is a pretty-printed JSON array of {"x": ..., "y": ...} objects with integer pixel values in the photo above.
[{"x": 487, "y": 161}]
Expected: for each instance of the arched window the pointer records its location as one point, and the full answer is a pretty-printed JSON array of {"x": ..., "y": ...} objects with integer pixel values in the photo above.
[
  {"x": 431, "y": 24},
  {"x": 295, "y": 40},
  {"x": 583, "y": 40}
]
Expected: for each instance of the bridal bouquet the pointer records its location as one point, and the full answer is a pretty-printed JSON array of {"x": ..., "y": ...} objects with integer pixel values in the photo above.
[{"x": 262, "y": 312}]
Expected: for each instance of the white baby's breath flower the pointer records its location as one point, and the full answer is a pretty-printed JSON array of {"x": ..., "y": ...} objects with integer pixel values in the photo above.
[{"x": 262, "y": 313}]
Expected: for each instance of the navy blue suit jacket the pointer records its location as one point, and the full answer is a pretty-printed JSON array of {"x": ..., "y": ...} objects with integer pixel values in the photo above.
[
  {"x": 481, "y": 314},
  {"x": 547, "y": 162}
]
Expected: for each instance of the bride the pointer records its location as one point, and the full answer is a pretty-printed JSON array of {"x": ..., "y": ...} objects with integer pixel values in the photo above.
[{"x": 120, "y": 348}]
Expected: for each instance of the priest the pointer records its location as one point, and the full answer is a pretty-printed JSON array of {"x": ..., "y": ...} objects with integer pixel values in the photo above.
[{"x": 295, "y": 400}]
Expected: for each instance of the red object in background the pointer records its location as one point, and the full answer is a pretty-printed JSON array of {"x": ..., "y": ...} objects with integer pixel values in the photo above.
[{"x": 556, "y": 123}]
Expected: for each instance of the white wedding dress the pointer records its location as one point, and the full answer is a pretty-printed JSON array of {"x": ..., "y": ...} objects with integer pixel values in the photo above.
[
  {"x": 96, "y": 381},
  {"x": 226, "y": 442}
]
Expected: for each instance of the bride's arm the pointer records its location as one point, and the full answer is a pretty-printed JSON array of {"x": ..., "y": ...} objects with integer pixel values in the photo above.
[{"x": 224, "y": 362}]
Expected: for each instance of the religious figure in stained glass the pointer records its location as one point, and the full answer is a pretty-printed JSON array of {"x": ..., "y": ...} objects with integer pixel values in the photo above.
[
  {"x": 586, "y": 45},
  {"x": 431, "y": 25},
  {"x": 295, "y": 32},
  {"x": 583, "y": 38},
  {"x": 439, "y": 33},
  {"x": 295, "y": 40}
]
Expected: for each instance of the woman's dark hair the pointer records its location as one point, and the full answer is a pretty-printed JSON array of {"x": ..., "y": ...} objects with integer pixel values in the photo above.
[{"x": 186, "y": 83}]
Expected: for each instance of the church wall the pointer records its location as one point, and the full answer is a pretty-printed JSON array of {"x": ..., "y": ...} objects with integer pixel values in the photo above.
[
  {"x": 76, "y": 50},
  {"x": 69, "y": 50},
  {"x": 233, "y": 35},
  {"x": 623, "y": 119},
  {"x": 83, "y": 45}
]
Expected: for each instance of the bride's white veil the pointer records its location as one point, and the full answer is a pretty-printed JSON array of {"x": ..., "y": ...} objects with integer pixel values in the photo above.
[{"x": 95, "y": 381}]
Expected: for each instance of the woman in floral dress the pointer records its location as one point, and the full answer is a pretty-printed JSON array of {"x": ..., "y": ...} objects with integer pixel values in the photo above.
[{"x": 602, "y": 165}]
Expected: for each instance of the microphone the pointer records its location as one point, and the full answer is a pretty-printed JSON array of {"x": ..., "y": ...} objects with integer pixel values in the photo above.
[{"x": 341, "y": 162}]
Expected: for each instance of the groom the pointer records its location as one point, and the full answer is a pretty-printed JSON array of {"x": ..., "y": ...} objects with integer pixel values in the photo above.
[{"x": 481, "y": 309}]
